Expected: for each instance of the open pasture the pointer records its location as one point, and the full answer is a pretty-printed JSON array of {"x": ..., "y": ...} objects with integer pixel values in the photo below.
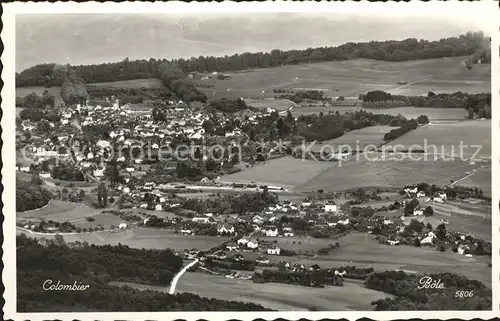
[
  {"x": 56, "y": 91},
  {"x": 408, "y": 112},
  {"x": 149, "y": 238},
  {"x": 278, "y": 104},
  {"x": 135, "y": 83},
  {"x": 478, "y": 179},
  {"x": 361, "y": 250},
  {"x": 368, "y": 137},
  {"x": 369, "y": 171},
  {"x": 474, "y": 136},
  {"x": 353, "y": 77},
  {"x": 300, "y": 243},
  {"x": 476, "y": 222},
  {"x": 62, "y": 211},
  {"x": 352, "y": 296},
  {"x": 284, "y": 172}
]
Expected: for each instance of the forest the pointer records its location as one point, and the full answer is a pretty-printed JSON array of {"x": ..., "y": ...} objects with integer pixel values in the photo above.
[{"x": 30, "y": 196}]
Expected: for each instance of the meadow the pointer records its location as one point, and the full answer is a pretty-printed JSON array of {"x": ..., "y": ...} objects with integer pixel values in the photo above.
[
  {"x": 408, "y": 112},
  {"x": 142, "y": 237},
  {"x": 352, "y": 296},
  {"x": 285, "y": 172},
  {"x": 448, "y": 136},
  {"x": 24, "y": 91},
  {"x": 135, "y": 83},
  {"x": 353, "y": 77},
  {"x": 354, "y": 140},
  {"x": 62, "y": 211},
  {"x": 385, "y": 173},
  {"x": 361, "y": 250}
]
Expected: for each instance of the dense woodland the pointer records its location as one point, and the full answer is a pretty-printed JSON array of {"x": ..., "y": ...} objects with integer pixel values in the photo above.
[
  {"x": 30, "y": 196},
  {"x": 409, "y": 297},
  {"x": 471, "y": 44}
]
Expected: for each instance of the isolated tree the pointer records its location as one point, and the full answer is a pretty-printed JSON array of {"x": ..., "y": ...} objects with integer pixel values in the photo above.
[{"x": 102, "y": 195}]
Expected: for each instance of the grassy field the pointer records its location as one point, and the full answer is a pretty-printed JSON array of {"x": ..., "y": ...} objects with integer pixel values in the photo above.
[
  {"x": 135, "y": 83},
  {"x": 284, "y": 172},
  {"x": 361, "y": 250},
  {"x": 355, "y": 140},
  {"x": 300, "y": 243},
  {"x": 145, "y": 238},
  {"x": 352, "y": 296},
  {"x": 447, "y": 137},
  {"x": 56, "y": 91},
  {"x": 387, "y": 173},
  {"x": 278, "y": 104},
  {"x": 479, "y": 179},
  {"x": 60, "y": 211},
  {"x": 354, "y": 77},
  {"x": 408, "y": 112}
]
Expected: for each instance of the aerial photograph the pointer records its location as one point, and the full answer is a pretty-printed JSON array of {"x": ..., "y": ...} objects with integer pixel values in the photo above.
[{"x": 276, "y": 161}]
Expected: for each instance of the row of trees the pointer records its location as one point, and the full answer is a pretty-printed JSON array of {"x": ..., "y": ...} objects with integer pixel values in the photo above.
[
  {"x": 73, "y": 89},
  {"x": 175, "y": 79},
  {"x": 479, "y": 104},
  {"x": 408, "y": 49},
  {"x": 405, "y": 128}
]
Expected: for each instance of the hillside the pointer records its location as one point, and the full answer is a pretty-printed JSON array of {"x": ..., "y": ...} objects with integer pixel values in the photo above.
[{"x": 394, "y": 50}]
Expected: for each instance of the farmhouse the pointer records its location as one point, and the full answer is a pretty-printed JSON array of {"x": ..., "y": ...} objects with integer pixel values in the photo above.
[{"x": 274, "y": 250}]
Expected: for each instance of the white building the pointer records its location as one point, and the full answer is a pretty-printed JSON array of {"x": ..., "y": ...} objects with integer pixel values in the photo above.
[
  {"x": 331, "y": 208},
  {"x": 253, "y": 244},
  {"x": 274, "y": 250}
]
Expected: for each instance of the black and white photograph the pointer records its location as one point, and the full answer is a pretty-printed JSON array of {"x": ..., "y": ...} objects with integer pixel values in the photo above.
[{"x": 227, "y": 160}]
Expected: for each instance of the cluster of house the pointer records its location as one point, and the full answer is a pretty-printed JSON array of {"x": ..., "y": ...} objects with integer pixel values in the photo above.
[{"x": 413, "y": 192}]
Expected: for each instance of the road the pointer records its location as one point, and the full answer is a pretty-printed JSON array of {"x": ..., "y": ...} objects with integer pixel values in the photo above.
[{"x": 178, "y": 276}]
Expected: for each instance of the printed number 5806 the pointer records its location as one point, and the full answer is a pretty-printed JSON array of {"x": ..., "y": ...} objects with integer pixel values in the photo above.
[{"x": 464, "y": 294}]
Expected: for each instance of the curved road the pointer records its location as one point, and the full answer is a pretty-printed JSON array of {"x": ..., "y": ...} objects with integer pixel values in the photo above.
[{"x": 178, "y": 276}]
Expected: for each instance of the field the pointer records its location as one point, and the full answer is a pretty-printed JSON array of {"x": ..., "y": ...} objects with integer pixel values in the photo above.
[
  {"x": 284, "y": 172},
  {"x": 145, "y": 238},
  {"x": 23, "y": 91},
  {"x": 479, "y": 179},
  {"x": 387, "y": 173},
  {"x": 300, "y": 243},
  {"x": 354, "y": 77},
  {"x": 278, "y": 104},
  {"x": 355, "y": 140},
  {"x": 60, "y": 211},
  {"x": 352, "y": 296},
  {"x": 447, "y": 137},
  {"x": 135, "y": 83},
  {"x": 361, "y": 250}
]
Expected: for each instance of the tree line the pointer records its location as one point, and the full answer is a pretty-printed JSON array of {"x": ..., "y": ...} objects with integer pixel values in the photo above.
[
  {"x": 476, "y": 104},
  {"x": 471, "y": 43}
]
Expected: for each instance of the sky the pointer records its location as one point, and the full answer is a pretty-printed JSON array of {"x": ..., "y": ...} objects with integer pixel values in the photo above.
[{"x": 100, "y": 38}]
